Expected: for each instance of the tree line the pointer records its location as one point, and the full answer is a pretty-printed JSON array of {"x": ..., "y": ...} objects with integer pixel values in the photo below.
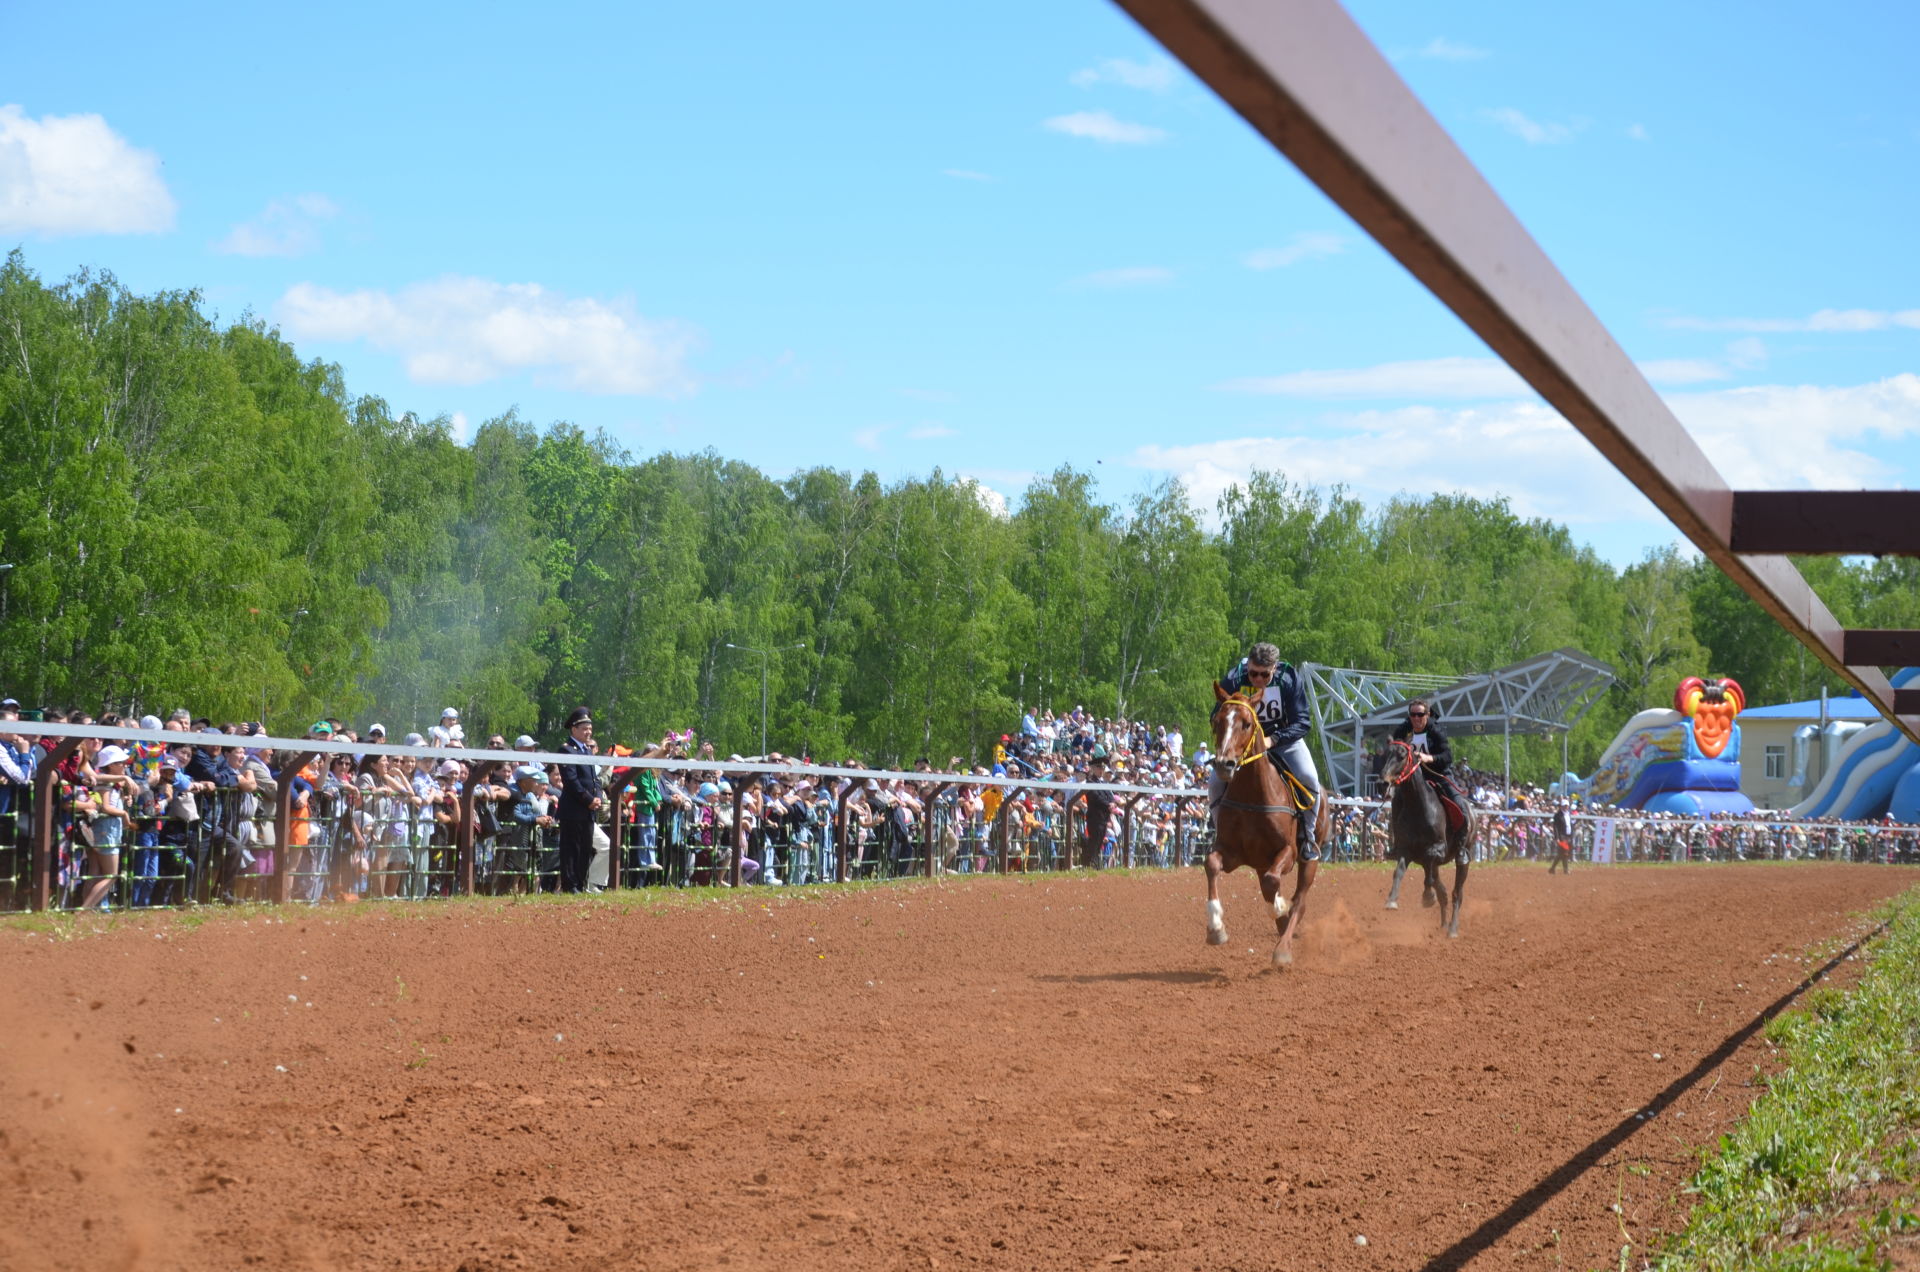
[{"x": 198, "y": 517}]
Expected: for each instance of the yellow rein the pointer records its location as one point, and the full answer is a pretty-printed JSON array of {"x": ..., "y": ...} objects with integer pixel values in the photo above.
[{"x": 1256, "y": 741}]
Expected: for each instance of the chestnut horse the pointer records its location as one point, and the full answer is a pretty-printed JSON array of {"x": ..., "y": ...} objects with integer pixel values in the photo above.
[
  {"x": 1417, "y": 828},
  {"x": 1255, "y": 824}
]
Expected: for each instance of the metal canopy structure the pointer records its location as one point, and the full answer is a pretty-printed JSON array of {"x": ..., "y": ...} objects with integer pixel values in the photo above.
[
  {"x": 1305, "y": 76},
  {"x": 1547, "y": 693}
]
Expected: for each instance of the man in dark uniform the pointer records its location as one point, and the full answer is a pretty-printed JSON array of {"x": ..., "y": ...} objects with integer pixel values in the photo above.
[
  {"x": 1280, "y": 701},
  {"x": 580, "y": 799},
  {"x": 1099, "y": 811},
  {"x": 1421, "y": 730}
]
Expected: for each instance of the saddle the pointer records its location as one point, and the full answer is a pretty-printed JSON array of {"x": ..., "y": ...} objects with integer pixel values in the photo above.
[{"x": 1456, "y": 816}]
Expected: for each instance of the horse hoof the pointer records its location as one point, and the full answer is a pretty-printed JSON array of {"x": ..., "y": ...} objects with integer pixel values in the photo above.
[
  {"x": 1427, "y": 902},
  {"x": 1283, "y": 958},
  {"x": 1393, "y": 905},
  {"x": 1217, "y": 936}
]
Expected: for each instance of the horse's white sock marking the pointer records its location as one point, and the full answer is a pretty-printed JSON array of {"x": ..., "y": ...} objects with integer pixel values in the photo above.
[
  {"x": 1279, "y": 905},
  {"x": 1216, "y": 917}
]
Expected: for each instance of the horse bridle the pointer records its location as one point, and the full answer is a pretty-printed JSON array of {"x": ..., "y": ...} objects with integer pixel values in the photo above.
[
  {"x": 1412, "y": 765},
  {"x": 1254, "y": 750}
]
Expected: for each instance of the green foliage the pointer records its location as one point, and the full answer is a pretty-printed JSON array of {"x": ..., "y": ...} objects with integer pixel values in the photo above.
[{"x": 198, "y": 517}]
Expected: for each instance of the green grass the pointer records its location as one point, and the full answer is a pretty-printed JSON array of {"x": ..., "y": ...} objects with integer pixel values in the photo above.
[{"x": 1824, "y": 1174}]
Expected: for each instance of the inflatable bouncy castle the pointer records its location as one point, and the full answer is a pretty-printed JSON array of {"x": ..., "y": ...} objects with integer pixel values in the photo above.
[{"x": 1685, "y": 760}]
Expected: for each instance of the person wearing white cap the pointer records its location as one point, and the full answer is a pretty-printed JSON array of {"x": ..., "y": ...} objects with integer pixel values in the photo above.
[
  {"x": 448, "y": 731},
  {"x": 100, "y": 822}
]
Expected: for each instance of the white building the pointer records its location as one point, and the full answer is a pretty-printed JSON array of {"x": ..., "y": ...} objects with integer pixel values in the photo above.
[{"x": 1786, "y": 749}]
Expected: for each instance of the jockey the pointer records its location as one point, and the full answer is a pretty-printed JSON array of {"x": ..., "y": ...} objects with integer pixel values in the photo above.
[
  {"x": 1280, "y": 702},
  {"x": 1421, "y": 731}
]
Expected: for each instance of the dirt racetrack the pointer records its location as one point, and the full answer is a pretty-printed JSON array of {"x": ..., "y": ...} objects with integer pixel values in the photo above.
[{"x": 1031, "y": 1072}]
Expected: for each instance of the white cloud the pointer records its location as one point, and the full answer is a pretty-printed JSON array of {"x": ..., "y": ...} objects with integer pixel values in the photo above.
[
  {"x": 1434, "y": 377},
  {"x": 1472, "y": 377},
  {"x": 288, "y": 227},
  {"x": 459, "y": 330},
  {"x": 1769, "y": 436},
  {"x": 986, "y": 496},
  {"x": 1441, "y": 49},
  {"x": 73, "y": 174},
  {"x": 457, "y": 426},
  {"x": 1683, "y": 370},
  {"x": 1531, "y": 131},
  {"x": 1308, "y": 246},
  {"x": 1778, "y": 436},
  {"x": 869, "y": 438},
  {"x": 1523, "y": 451},
  {"x": 1155, "y": 76},
  {"x": 1130, "y": 276},
  {"x": 1830, "y": 320},
  {"x": 928, "y": 432},
  {"x": 1098, "y": 125},
  {"x": 963, "y": 174}
]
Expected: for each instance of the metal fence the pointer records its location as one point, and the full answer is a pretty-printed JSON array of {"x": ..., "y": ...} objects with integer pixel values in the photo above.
[
  {"x": 329, "y": 837},
  {"x": 311, "y": 830}
]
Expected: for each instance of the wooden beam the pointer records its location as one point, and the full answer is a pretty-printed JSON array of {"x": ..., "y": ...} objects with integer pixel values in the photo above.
[
  {"x": 1306, "y": 77},
  {"x": 1827, "y": 522},
  {"x": 1880, "y": 647}
]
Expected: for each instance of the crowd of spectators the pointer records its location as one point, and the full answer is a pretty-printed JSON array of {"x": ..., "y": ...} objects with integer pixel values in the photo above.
[
  {"x": 193, "y": 820},
  {"x": 163, "y": 823}
]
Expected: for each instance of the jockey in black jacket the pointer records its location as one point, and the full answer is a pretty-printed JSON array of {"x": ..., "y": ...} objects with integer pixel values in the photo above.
[
  {"x": 1421, "y": 730},
  {"x": 1281, "y": 705}
]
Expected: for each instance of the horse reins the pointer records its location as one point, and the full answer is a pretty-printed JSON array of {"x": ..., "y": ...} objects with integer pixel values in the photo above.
[
  {"x": 1254, "y": 751},
  {"x": 1411, "y": 768}
]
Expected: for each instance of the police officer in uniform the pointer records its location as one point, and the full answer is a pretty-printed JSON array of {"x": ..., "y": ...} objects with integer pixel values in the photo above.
[{"x": 580, "y": 799}]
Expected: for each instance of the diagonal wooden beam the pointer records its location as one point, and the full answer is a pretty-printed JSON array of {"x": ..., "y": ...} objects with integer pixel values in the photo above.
[
  {"x": 1880, "y": 647},
  {"x": 1827, "y": 522},
  {"x": 1305, "y": 76}
]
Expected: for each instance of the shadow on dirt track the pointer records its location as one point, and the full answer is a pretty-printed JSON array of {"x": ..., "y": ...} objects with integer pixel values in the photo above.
[
  {"x": 1516, "y": 1211},
  {"x": 1158, "y": 978}
]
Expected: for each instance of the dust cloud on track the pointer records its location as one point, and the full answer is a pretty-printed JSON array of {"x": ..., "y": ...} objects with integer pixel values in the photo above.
[{"x": 1027, "y": 1072}]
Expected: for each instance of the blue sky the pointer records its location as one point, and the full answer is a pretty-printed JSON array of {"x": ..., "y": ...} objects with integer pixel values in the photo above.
[{"x": 998, "y": 237}]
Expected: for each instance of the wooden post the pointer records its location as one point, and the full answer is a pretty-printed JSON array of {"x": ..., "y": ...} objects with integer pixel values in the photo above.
[
  {"x": 45, "y": 776},
  {"x": 616, "y": 854},
  {"x": 840, "y": 819},
  {"x": 1126, "y": 850},
  {"x": 926, "y": 817},
  {"x": 1179, "y": 855},
  {"x": 1066, "y": 824},
  {"x": 283, "y": 825},
  {"x": 734, "y": 868},
  {"x": 465, "y": 865},
  {"x": 999, "y": 832}
]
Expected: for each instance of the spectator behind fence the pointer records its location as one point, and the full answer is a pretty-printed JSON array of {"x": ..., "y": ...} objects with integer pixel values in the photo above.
[{"x": 580, "y": 799}]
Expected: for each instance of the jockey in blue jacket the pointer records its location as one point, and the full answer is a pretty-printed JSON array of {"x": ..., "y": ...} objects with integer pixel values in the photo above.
[{"x": 1281, "y": 705}]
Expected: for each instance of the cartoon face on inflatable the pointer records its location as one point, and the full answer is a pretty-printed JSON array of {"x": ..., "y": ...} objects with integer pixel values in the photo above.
[{"x": 1711, "y": 705}]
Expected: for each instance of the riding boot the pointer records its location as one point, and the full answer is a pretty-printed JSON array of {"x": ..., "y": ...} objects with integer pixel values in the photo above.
[{"x": 1309, "y": 828}]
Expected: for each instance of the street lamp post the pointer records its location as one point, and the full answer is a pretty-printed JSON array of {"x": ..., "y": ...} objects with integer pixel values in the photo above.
[{"x": 765, "y": 654}]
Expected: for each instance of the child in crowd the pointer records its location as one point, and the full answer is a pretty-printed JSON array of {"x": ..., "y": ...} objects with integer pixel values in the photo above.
[
  {"x": 532, "y": 813},
  {"x": 106, "y": 807}
]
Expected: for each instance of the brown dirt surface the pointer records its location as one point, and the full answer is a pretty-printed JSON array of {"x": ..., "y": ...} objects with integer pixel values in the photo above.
[{"x": 1041, "y": 1071}]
